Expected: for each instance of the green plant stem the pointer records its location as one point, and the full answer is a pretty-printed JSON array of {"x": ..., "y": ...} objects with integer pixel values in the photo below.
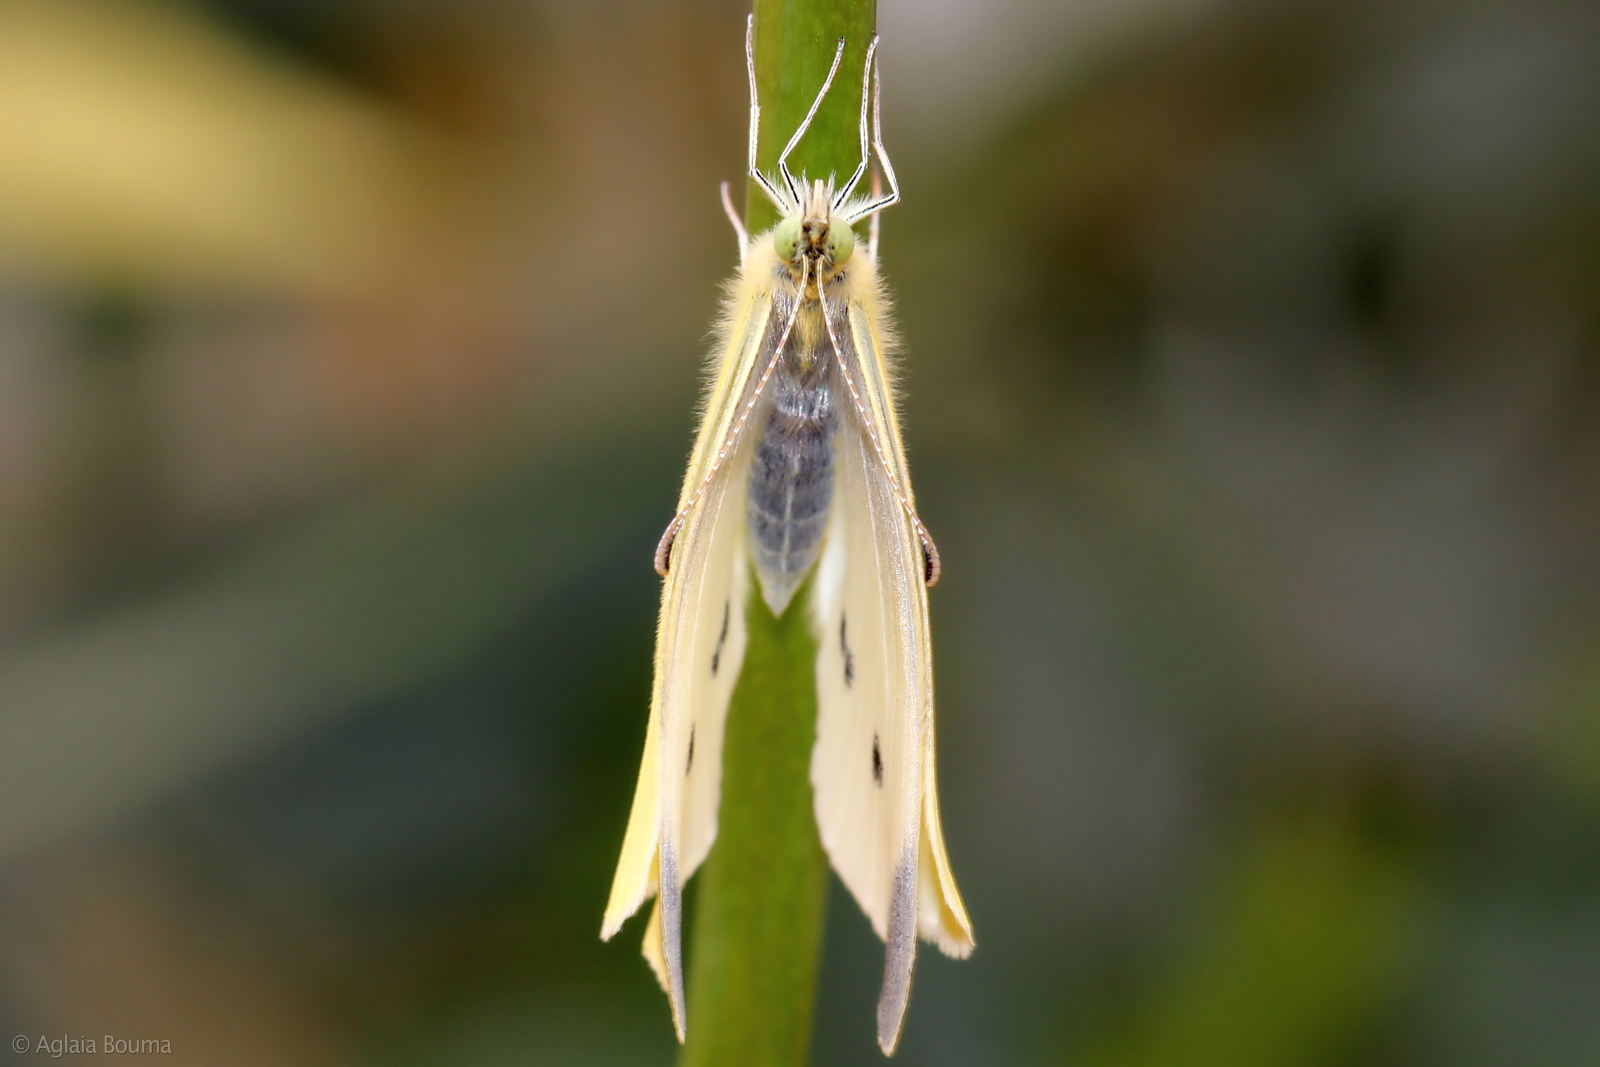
[
  {"x": 795, "y": 42},
  {"x": 763, "y": 890},
  {"x": 758, "y": 919}
]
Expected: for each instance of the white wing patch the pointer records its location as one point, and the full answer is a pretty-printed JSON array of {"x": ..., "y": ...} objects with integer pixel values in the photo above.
[
  {"x": 857, "y": 767},
  {"x": 702, "y": 648}
]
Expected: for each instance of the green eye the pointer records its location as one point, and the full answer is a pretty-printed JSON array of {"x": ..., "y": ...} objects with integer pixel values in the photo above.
[
  {"x": 786, "y": 238},
  {"x": 841, "y": 242}
]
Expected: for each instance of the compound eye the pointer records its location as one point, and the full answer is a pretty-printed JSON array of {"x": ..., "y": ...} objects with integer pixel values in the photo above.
[
  {"x": 786, "y": 238},
  {"x": 841, "y": 242}
]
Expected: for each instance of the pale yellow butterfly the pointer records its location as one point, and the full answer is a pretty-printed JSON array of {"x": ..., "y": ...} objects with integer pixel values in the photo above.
[{"x": 799, "y": 465}]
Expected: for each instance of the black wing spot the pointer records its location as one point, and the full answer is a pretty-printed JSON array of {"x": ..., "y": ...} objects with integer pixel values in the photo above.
[
  {"x": 722, "y": 639},
  {"x": 877, "y": 761},
  {"x": 849, "y": 660},
  {"x": 689, "y": 764}
]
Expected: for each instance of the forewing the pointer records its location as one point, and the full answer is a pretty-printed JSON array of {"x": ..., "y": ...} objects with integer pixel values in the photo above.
[
  {"x": 872, "y": 768},
  {"x": 942, "y": 917},
  {"x": 699, "y": 648},
  {"x": 866, "y": 769}
]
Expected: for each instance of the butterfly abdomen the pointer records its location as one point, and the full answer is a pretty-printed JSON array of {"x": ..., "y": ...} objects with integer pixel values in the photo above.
[{"x": 791, "y": 479}]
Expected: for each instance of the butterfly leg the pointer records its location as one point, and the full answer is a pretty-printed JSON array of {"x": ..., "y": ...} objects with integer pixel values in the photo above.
[
  {"x": 755, "y": 120},
  {"x": 738, "y": 224},
  {"x": 877, "y": 219},
  {"x": 849, "y": 187},
  {"x": 878, "y": 203},
  {"x": 805, "y": 124}
]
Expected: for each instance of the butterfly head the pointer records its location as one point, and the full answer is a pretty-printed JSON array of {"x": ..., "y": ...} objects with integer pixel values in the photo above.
[{"x": 814, "y": 232}]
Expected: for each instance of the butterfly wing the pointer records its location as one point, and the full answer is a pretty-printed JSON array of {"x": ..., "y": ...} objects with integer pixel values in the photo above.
[
  {"x": 699, "y": 648},
  {"x": 872, "y": 770}
]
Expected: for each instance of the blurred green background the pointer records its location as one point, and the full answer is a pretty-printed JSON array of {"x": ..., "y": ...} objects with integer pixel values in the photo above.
[{"x": 348, "y": 351}]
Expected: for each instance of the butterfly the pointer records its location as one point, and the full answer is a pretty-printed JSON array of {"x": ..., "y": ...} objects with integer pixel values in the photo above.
[{"x": 798, "y": 467}]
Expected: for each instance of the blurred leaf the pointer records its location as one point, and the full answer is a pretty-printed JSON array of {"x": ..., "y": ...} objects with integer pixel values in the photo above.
[
  {"x": 137, "y": 140},
  {"x": 1311, "y": 933}
]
